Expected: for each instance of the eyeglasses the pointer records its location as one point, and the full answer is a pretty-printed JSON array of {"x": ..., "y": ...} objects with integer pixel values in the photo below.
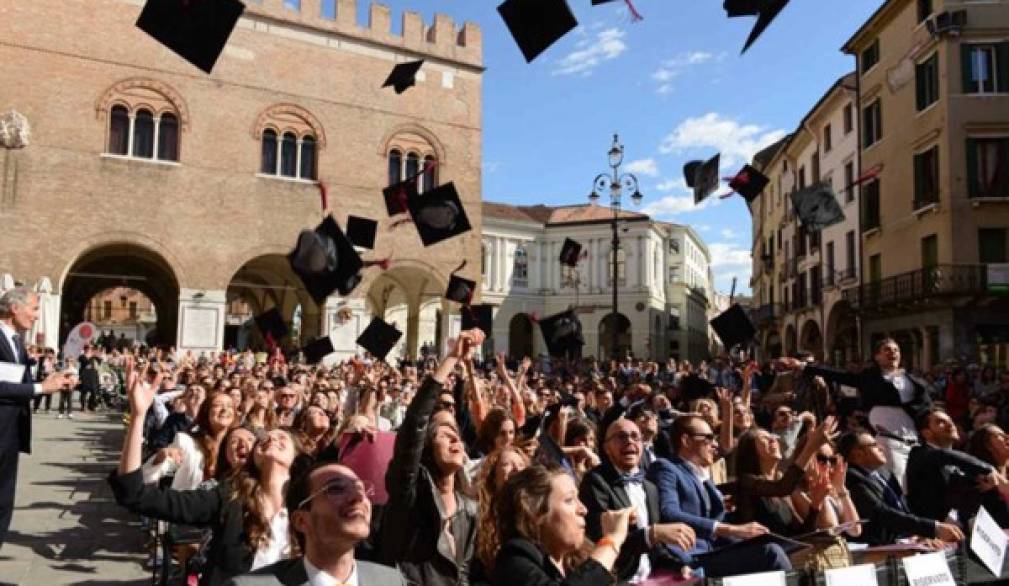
[
  {"x": 626, "y": 437},
  {"x": 705, "y": 437},
  {"x": 832, "y": 460},
  {"x": 340, "y": 488},
  {"x": 447, "y": 405}
]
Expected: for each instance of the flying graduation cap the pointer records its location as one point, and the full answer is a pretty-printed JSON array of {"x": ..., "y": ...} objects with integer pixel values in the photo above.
[
  {"x": 196, "y": 30},
  {"x": 479, "y": 316},
  {"x": 272, "y": 326},
  {"x": 571, "y": 253},
  {"x": 361, "y": 231},
  {"x": 764, "y": 10},
  {"x": 403, "y": 76},
  {"x": 562, "y": 332},
  {"x": 817, "y": 207},
  {"x": 733, "y": 327},
  {"x": 326, "y": 261},
  {"x": 379, "y": 338},
  {"x": 749, "y": 183},
  {"x": 460, "y": 289},
  {"x": 438, "y": 214},
  {"x": 702, "y": 177},
  {"x": 318, "y": 349},
  {"x": 635, "y": 15},
  {"x": 537, "y": 24}
]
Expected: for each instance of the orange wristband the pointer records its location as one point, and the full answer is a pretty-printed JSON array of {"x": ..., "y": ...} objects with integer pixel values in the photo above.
[{"x": 608, "y": 541}]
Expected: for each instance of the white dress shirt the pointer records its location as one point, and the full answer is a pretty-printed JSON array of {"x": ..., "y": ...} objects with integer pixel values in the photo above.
[
  {"x": 278, "y": 547},
  {"x": 317, "y": 577},
  {"x": 9, "y": 333},
  {"x": 636, "y": 492}
]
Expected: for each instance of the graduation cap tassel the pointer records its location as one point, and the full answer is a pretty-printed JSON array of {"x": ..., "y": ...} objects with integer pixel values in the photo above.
[
  {"x": 459, "y": 268},
  {"x": 324, "y": 196},
  {"x": 382, "y": 264},
  {"x": 635, "y": 15}
]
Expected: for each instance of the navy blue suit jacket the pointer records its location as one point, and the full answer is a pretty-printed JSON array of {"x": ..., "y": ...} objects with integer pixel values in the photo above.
[
  {"x": 684, "y": 499},
  {"x": 15, "y": 398}
]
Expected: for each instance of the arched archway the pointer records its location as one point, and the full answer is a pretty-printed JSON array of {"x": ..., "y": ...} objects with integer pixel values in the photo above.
[
  {"x": 790, "y": 340},
  {"x": 772, "y": 344},
  {"x": 811, "y": 339},
  {"x": 841, "y": 334},
  {"x": 410, "y": 298},
  {"x": 520, "y": 336},
  {"x": 614, "y": 326},
  {"x": 129, "y": 266},
  {"x": 261, "y": 284}
]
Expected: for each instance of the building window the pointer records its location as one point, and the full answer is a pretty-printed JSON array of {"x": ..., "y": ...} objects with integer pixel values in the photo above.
[
  {"x": 674, "y": 246},
  {"x": 871, "y": 199},
  {"x": 520, "y": 274},
  {"x": 621, "y": 262},
  {"x": 930, "y": 251},
  {"x": 412, "y": 165},
  {"x": 288, "y": 154},
  {"x": 143, "y": 134},
  {"x": 827, "y": 139},
  {"x": 144, "y": 122},
  {"x": 168, "y": 138},
  {"x": 849, "y": 245},
  {"x": 412, "y": 157},
  {"x": 395, "y": 167},
  {"x": 119, "y": 131},
  {"x": 988, "y": 167},
  {"x": 427, "y": 183},
  {"x": 107, "y": 308},
  {"x": 991, "y": 245},
  {"x": 816, "y": 167},
  {"x": 849, "y": 119},
  {"x": 483, "y": 260},
  {"x": 307, "y": 157},
  {"x": 802, "y": 178},
  {"x": 985, "y": 68},
  {"x": 872, "y": 123},
  {"x": 830, "y": 264},
  {"x": 924, "y": 9},
  {"x": 849, "y": 182},
  {"x": 870, "y": 56},
  {"x": 674, "y": 274},
  {"x": 926, "y": 177},
  {"x": 926, "y": 76},
  {"x": 268, "y": 154},
  {"x": 133, "y": 310}
]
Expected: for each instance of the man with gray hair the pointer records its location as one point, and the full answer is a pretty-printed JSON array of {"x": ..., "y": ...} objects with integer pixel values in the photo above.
[{"x": 19, "y": 308}]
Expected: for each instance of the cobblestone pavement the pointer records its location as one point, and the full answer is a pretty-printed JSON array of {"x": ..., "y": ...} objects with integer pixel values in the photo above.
[{"x": 66, "y": 527}]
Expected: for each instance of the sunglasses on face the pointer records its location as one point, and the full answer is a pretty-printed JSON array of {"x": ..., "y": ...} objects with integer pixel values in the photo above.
[
  {"x": 705, "y": 437},
  {"x": 626, "y": 437},
  {"x": 340, "y": 489},
  {"x": 832, "y": 460}
]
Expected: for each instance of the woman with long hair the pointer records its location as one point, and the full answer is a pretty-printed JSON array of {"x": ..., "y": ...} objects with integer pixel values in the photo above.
[
  {"x": 498, "y": 467},
  {"x": 193, "y": 455},
  {"x": 990, "y": 444},
  {"x": 541, "y": 524},
  {"x": 235, "y": 448},
  {"x": 496, "y": 431},
  {"x": 315, "y": 427},
  {"x": 246, "y": 514}
]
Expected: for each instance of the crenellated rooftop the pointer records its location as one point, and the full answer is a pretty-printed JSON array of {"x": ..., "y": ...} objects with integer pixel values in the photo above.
[{"x": 442, "y": 39}]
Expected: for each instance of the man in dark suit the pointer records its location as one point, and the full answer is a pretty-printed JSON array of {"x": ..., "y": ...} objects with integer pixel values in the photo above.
[
  {"x": 330, "y": 514},
  {"x": 619, "y": 483},
  {"x": 687, "y": 495},
  {"x": 19, "y": 308},
  {"x": 879, "y": 498}
]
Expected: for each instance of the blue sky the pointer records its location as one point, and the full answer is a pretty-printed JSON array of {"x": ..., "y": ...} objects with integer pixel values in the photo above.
[{"x": 673, "y": 85}]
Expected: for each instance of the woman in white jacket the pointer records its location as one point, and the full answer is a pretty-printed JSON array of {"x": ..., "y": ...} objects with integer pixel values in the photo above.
[{"x": 192, "y": 456}]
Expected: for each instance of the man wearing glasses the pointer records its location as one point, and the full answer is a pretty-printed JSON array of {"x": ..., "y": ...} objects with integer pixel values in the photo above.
[
  {"x": 620, "y": 483},
  {"x": 687, "y": 495},
  {"x": 330, "y": 511}
]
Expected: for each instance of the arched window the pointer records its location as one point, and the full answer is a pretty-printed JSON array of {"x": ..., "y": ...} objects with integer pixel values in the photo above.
[
  {"x": 119, "y": 131},
  {"x": 520, "y": 274},
  {"x": 143, "y": 134},
  {"x": 269, "y": 155},
  {"x": 289, "y": 155},
  {"x": 428, "y": 182},
  {"x": 308, "y": 157},
  {"x": 395, "y": 167},
  {"x": 168, "y": 138},
  {"x": 412, "y": 165}
]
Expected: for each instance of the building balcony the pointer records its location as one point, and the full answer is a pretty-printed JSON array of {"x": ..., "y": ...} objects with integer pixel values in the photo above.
[
  {"x": 766, "y": 315},
  {"x": 923, "y": 286}
]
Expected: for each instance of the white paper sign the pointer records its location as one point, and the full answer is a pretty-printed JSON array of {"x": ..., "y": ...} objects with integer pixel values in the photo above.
[
  {"x": 988, "y": 541},
  {"x": 11, "y": 372},
  {"x": 762, "y": 579},
  {"x": 928, "y": 569},
  {"x": 863, "y": 575}
]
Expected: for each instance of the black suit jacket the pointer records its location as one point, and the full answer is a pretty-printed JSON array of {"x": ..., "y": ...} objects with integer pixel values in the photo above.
[
  {"x": 939, "y": 480},
  {"x": 601, "y": 491},
  {"x": 875, "y": 390},
  {"x": 886, "y": 523},
  {"x": 520, "y": 562},
  {"x": 15, "y": 413}
]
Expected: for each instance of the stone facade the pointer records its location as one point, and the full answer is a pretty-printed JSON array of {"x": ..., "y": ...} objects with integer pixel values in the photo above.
[{"x": 209, "y": 227}]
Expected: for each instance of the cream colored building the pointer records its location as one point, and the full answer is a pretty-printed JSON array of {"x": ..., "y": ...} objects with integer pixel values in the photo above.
[
  {"x": 196, "y": 186},
  {"x": 933, "y": 100},
  {"x": 664, "y": 280}
]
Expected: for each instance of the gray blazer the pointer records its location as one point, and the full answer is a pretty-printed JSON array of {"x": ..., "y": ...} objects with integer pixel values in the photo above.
[{"x": 292, "y": 573}]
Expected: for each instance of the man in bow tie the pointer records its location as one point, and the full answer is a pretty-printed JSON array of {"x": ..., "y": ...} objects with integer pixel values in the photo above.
[
  {"x": 619, "y": 483},
  {"x": 19, "y": 308}
]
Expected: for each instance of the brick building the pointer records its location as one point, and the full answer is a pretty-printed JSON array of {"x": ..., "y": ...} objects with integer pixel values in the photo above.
[{"x": 194, "y": 187}]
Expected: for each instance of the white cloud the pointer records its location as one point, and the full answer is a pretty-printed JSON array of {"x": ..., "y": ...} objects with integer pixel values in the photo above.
[
  {"x": 729, "y": 260},
  {"x": 737, "y": 142},
  {"x": 643, "y": 167},
  {"x": 704, "y": 227},
  {"x": 490, "y": 167},
  {"x": 677, "y": 184},
  {"x": 728, "y": 233},
  {"x": 590, "y": 52},
  {"x": 670, "y": 69},
  {"x": 672, "y": 205}
]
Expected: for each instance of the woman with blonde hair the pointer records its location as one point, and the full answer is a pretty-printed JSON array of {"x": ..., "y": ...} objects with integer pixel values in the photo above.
[{"x": 498, "y": 467}]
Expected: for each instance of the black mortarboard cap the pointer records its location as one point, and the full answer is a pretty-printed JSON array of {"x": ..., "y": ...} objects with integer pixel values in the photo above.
[
  {"x": 694, "y": 387},
  {"x": 398, "y": 194},
  {"x": 537, "y": 24},
  {"x": 378, "y": 338},
  {"x": 196, "y": 30},
  {"x": 403, "y": 76},
  {"x": 690, "y": 172},
  {"x": 706, "y": 178},
  {"x": 316, "y": 350},
  {"x": 571, "y": 252},
  {"x": 361, "y": 231},
  {"x": 479, "y": 316},
  {"x": 562, "y": 332},
  {"x": 272, "y": 324},
  {"x": 326, "y": 261},
  {"x": 460, "y": 290},
  {"x": 817, "y": 207},
  {"x": 733, "y": 326},
  {"x": 438, "y": 214},
  {"x": 749, "y": 183},
  {"x": 764, "y": 10}
]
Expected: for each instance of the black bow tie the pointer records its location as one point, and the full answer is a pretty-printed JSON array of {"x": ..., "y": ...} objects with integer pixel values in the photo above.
[{"x": 632, "y": 478}]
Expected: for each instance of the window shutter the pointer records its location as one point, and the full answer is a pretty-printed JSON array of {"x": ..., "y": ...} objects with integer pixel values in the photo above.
[
  {"x": 1002, "y": 59},
  {"x": 965, "y": 66},
  {"x": 971, "y": 167},
  {"x": 920, "y": 84}
]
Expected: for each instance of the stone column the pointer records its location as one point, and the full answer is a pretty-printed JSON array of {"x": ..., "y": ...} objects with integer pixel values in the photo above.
[
  {"x": 343, "y": 334},
  {"x": 201, "y": 320}
]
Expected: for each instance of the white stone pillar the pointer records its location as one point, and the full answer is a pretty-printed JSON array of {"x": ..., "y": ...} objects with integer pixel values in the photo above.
[
  {"x": 344, "y": 335},
  {"x": 201, "y": 320}
]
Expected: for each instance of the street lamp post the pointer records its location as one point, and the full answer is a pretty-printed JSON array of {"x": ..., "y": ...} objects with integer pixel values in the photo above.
[{"x": 615, "y": 182}]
